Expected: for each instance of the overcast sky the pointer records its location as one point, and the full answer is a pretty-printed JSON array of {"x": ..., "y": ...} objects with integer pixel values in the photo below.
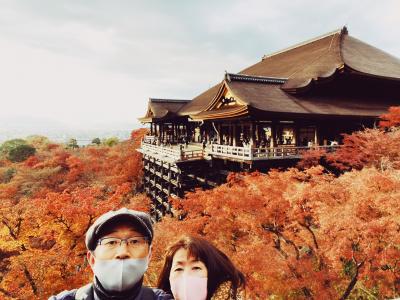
[{"x": 94, "y": 63}]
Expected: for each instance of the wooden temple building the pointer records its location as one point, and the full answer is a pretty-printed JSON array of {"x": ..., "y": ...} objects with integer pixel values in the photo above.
[{"x": 265, "y": 116}]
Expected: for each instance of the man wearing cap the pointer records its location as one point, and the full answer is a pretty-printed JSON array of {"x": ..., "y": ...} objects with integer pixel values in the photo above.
[{"x": 119, "y": 248}]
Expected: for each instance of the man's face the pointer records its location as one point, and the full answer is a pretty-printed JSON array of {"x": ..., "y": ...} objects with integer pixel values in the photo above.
[{"x": 111, "y": 248}]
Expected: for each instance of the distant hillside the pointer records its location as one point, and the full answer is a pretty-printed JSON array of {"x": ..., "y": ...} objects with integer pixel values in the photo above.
[{"x": 11, "y": 128}]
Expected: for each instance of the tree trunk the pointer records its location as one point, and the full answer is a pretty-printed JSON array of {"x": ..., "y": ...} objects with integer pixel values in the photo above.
[
  {"x": 352, "y": 283},
  {"x": 30, "y": 280}
]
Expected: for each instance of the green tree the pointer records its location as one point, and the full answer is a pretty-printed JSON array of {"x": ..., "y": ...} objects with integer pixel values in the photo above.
[
  {"x": 111, "y": 141},
  {"x": 20, "y": 153},
  {"x": 38, "y": 141},
  {"x": 96, "y": 141},
  {"x": 8, "y": 175},
  {"x": 10, "y": 144},
  {"x": 16, "y": 150},
  {"x": 72, "y": 144}
]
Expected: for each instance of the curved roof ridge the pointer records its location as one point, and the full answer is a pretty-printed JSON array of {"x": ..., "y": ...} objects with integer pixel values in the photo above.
[
  {"x": 254, "y": 78},
  {"x": 162, "y": 100},
  {"x": 342, "y": 30}
]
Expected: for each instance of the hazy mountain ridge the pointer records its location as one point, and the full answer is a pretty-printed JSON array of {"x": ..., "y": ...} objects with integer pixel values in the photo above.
[{"x": 59, "y": 132}]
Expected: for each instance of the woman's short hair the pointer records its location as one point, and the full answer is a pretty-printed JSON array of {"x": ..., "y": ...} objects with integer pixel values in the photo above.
[{"x": 219, "y": 266}]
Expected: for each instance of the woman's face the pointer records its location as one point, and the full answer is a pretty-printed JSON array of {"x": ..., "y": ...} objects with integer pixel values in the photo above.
[
  {"x": 182, "y": 264},
  {"x": 188, "y": 277}
]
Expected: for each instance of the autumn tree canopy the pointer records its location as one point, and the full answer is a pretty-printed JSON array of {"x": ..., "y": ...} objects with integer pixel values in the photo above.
[
  {"x": 49, "y": 201},
  {"x": 313, "y": 232}
]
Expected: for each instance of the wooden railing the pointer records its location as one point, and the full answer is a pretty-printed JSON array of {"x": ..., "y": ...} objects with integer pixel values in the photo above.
[
  {"x": 179, "y": 154},
  {"x": 193, "y": 154},
  {"x": 248, "y": 153},
  {"x": 230, "y": 151}
]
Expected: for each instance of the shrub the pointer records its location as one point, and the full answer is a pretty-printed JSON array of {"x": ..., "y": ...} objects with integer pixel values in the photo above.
[
  {"x": 8, "y": 175},
  {"x": 20, "y": 153},
  {"x": 112, "y": 141},
  {"x": 72, "y": 144},
  {"x": 10, "y": 144},
  {"x": 96, "y": 141}
]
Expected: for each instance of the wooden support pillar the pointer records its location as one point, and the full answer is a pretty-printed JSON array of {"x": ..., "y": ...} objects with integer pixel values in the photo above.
[
  {"x": 175, "y": 133},
  {"x": 162, "y": 181},
  {"x": 172, "y": 133},
  {"x": 209, "y": 128},
  {"x": 179, "y": 183},
  {"x": 296, "y": 141},
  {"x": 234, "y": 135},
  {"x": 257, "y": 133},
  {"x": 230, "y": 137},
  {"x": 219, "y": 134},
  {"x": 169, "y": 180},
  {"x": 252, "y": 135},
  {"x": 273, "y": 135}
]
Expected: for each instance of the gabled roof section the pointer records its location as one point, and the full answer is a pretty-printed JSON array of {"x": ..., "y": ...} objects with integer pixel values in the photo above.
[
  {"x": 242, "y": 95},
  {"x": 161, "y": 109},
  {"x": 236, "y": 94},
  {"x": 200, "y": 102}
]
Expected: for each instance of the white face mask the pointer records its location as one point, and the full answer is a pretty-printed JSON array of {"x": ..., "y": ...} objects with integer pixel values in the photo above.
[
  {"x": 188, "y": 287},
  {"x": 120, "y": 274}
]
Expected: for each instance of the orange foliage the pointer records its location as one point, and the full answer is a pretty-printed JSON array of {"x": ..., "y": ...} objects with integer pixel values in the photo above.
[
  {"x": 300, "y": 234},
  {"x": 48, "y": 205},
  {"x": 370, "y": 147},
  {"x": 295, "y": 234},
  {"x": 138, "y": 135},
  {"x": 311, "y": 158},
  {"x": 392, "y": 118},
  {"x": 378, "y": 147}
]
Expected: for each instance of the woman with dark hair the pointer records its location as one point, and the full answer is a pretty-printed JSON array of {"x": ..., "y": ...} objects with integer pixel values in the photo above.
[{"x": 194, "y": 269}]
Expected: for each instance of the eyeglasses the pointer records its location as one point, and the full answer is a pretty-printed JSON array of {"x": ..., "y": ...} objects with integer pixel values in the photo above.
[{"x": 111, "y": 243}]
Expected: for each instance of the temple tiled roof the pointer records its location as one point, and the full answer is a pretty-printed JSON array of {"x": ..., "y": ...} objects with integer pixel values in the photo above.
[
  {"x": 281, "y": 82},
  {"x": 159, "y": 109},
  {"x": 314, "y": 60}
]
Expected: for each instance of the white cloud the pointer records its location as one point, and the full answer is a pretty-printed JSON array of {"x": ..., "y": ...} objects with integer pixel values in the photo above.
[
  {"x": 87, "y": 62},
  {"x": 41, "y": 83}
]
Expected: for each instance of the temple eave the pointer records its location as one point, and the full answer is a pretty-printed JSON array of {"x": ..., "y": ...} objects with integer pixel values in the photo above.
[
  {"x": 145, "y": 120},
  {"x": 220, "y": 115}
]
